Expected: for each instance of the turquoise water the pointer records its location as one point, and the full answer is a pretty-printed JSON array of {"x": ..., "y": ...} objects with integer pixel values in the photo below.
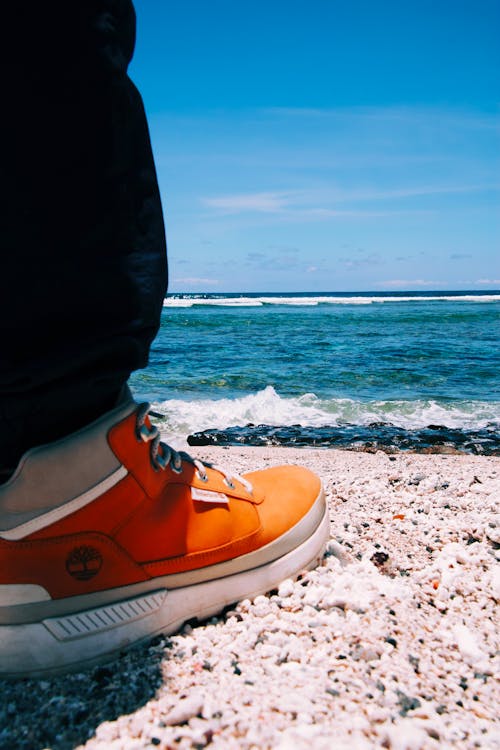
[{"x": 406, "y": 361}]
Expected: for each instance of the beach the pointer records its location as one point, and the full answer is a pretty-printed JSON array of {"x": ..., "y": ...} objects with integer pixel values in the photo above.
[{"x": 391, "y": 643}]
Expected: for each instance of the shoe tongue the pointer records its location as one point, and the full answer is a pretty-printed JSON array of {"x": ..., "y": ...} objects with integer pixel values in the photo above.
[
  {"x": 208, "y": 496},
  {"x": 120, "y": 412}
]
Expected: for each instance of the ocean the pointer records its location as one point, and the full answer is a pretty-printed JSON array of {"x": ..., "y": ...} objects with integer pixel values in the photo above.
[{"x": 390, "y": 371}]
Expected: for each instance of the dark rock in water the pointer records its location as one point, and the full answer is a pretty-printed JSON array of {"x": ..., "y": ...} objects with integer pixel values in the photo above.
[{"x": 370, "y": 438}]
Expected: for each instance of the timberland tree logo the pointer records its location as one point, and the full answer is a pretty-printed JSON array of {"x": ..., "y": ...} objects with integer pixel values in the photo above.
[{"x": 84, "y": 563}]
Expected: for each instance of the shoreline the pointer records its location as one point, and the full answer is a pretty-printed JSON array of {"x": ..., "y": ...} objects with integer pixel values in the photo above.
[
  {"x": 443, "y": 450},
  {"x": 437, "y": 450},
  {"x": 391, "y": 643}
]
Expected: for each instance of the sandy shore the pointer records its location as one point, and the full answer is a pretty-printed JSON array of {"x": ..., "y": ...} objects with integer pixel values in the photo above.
[{"x": 392, "y": 643}]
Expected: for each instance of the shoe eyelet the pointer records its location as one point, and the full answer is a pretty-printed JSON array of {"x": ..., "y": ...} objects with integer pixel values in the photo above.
[
  {"x": 202, "y": 477},
  {"x": 176, "y": 470},
  {"x": 144, "y": 434},
  {"x": 229, "y": 484}
]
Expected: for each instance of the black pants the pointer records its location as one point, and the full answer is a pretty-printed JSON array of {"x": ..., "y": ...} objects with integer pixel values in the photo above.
[{"x": 83, "y": 256}]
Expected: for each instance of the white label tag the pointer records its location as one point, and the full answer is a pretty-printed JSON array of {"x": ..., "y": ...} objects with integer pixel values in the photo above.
[{"x": 208, "y": 496}]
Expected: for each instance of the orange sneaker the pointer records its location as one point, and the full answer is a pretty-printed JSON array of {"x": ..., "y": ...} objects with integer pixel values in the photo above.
[{"x": 109, "y": 537}]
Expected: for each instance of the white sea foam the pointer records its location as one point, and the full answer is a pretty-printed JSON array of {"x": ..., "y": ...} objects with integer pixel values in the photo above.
[
  {"x": 268, "y": 407},
  {"x": 212, "y": 301},
  {"x": 243, "y": 301}
]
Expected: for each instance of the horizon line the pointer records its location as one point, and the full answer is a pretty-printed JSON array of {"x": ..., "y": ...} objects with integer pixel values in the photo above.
[{"x": 361, "y": 291}]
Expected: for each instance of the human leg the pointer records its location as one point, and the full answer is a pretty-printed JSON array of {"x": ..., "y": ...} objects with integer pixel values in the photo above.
[{"x": 83, "y": 270}]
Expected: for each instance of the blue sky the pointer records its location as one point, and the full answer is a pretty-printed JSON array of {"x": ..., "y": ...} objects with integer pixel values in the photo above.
[{"x": 325, "y": 145}]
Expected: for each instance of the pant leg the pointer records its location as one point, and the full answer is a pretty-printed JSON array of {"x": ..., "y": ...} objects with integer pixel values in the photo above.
[{"x": 83, "y": 255}]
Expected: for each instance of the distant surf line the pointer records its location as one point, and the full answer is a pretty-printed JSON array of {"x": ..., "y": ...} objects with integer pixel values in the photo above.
[{"x": 186, "y": 300}]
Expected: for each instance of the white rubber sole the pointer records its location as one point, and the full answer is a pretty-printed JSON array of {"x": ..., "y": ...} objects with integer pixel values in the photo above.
[{"x": 77, "y": 641}]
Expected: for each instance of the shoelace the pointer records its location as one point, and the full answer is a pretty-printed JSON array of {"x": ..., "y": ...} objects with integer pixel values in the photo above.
[{"x": 168, "y": 456}]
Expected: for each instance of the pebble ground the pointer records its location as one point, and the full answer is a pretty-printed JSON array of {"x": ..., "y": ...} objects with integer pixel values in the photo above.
[{"x": 392, "y": 643}]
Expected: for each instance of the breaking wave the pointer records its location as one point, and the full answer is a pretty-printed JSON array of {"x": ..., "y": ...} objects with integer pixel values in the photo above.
[{"x": 266, "y": 417}]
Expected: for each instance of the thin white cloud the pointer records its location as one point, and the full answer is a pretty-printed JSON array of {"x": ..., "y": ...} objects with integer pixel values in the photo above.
[
  {"x": 331, "y": 213},
  {"x": 272, "y": 261},
  {"x": 322, "y": 203},
  {"x": 366, "y": 194},
  {"x": 300, "y": 111},
  {"x": 411, "y": 192},
  {"x": 488, "y": 282},
  {"x": 409, "y": 283},
  {"x": 196, "y": 281},
  {"x": 428, "y": 116},
  {"x": 243, "y": 202},
  {"x": 371, "y": 259},
  {"x": 284, "y": 248}
]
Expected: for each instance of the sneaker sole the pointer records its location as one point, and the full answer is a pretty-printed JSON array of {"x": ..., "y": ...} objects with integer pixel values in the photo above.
[{"x": 82, "y": 639}]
